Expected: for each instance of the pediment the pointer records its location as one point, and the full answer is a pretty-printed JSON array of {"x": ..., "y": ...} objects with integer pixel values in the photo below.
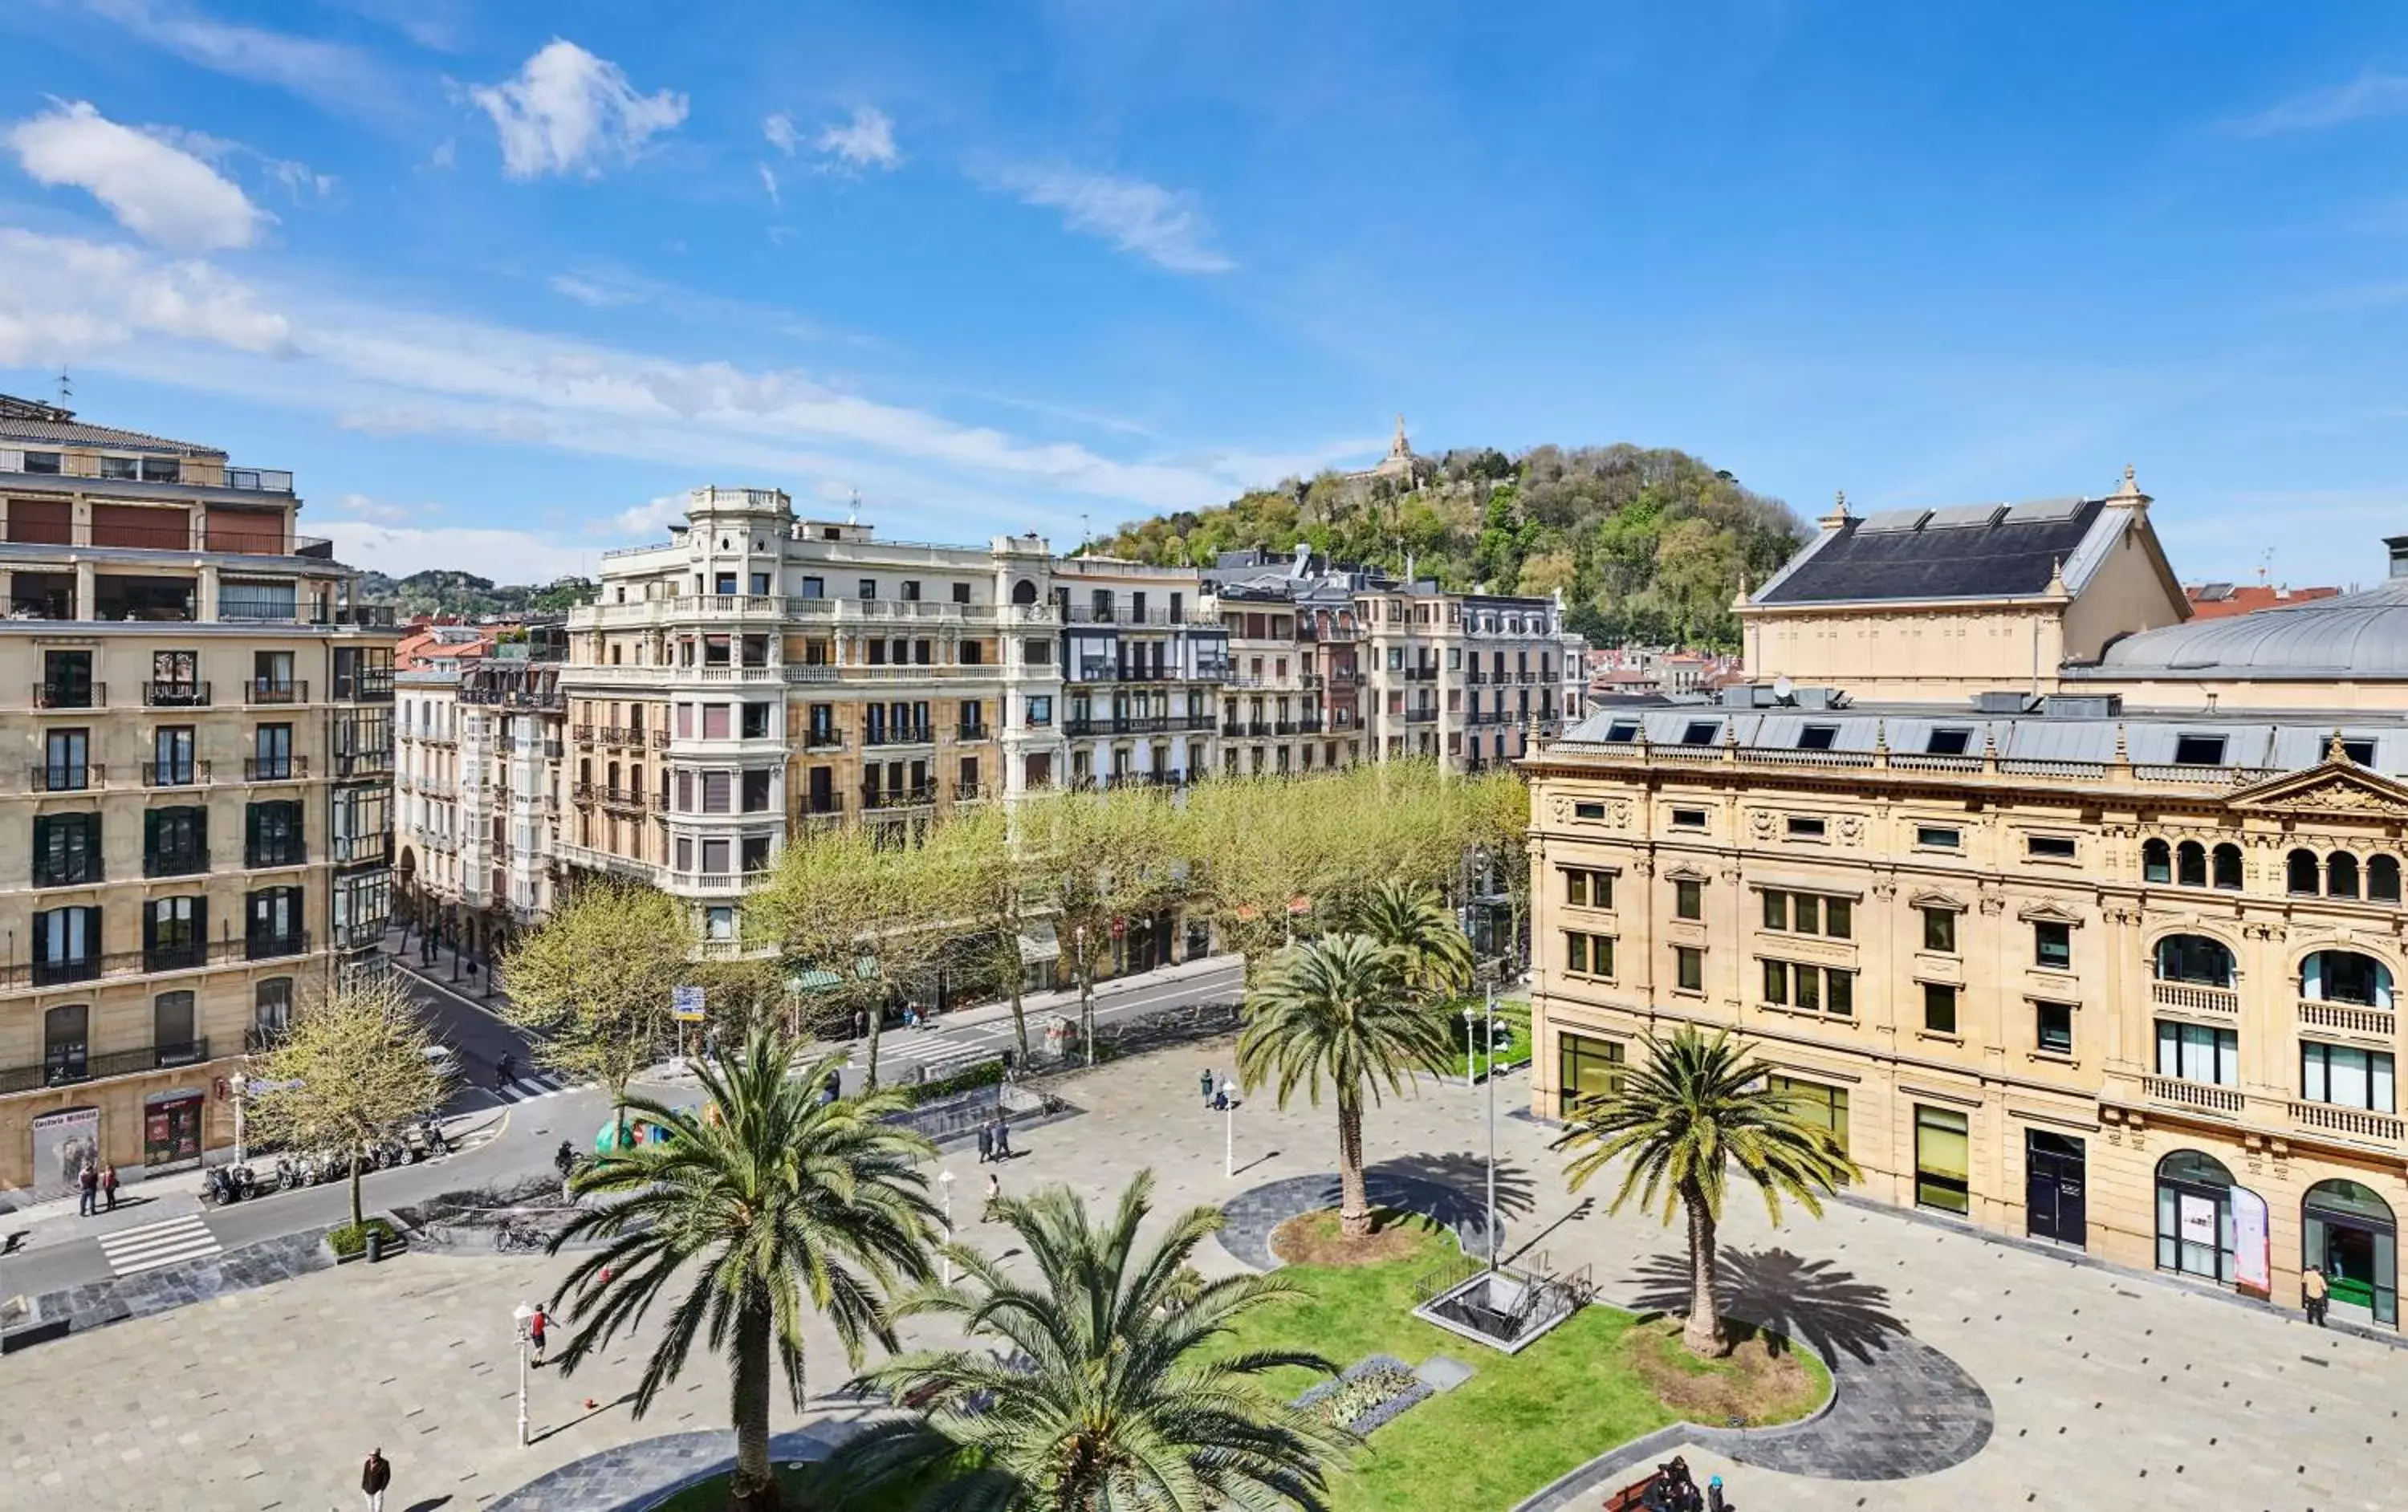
[
  {"x": 2333, "y": 787},
  {"x": 2049, "y": 913},
  {"x": 1939, "y": 900}
]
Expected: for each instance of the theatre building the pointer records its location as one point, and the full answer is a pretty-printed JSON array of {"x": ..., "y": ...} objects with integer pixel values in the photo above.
[{"x": 2110, "y": 966}]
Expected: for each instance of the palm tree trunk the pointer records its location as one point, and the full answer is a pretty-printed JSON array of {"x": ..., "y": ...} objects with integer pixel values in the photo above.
[
  {"x": 1354, "y": 1206},
  {"x": 753, "y": 1488},
  {"x": 1703, "y": 1333}
]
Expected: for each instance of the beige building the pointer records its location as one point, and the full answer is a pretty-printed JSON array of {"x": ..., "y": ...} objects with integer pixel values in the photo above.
[
  {"x": 202, "y": 724},
  {"x": 1465, "y": 679},
  {"x": 2070, "y": 968}
]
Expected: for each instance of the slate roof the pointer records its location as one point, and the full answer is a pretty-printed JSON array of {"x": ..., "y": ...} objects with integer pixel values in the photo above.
[
  {"x": 1968, "y": 551},
  {"x": 2348, "y": 636}
]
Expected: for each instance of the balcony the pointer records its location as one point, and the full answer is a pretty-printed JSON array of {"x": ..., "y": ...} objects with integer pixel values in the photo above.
[
  {"x": 78, "y": 871},
  {"x": 69, "y": 1065},
  {"x": 259, "y": 691},
  {"x": 268, "y": 946},
  {"x": 2356, "y": 1123},
  {"x": 281, "y": 854},
  {"x": 60, "y": 972},
  {"x": 66, "y": 776},
  {"x": 970, "y": 793},
  {"x": 818, "y": 739},
  {"x": 622, "y": 735},
  {"x": 2348, "y": 1019},
  {"x": 909, "y": 795},
  {"x": 2198, "y": 1096},
  {"x": 1421, "y": 674},
  {"x": 919, "y": 734},
  {"x": 70, "y": 695},
  {"x": 660, "y": 740},
  {"x": 1347, "y": 677},
  {"x": 2196, "y": 997},
  {"x": 1421, "y": 716},
  {"x": 974, "y": 732},
  {"x": 374, "y": 685},
  {"x": 276, "y": 769},
  {"x": 175, "y": 694},
  {"x": 190, "y": 860},
  {"x": 1479, "y": 679},
  {"x": 628, "y": 798},
  {"x": 181, "y": 955}
]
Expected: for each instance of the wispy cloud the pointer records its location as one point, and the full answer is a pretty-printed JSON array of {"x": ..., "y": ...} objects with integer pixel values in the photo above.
[
  {"x": 342, "y": 79},
  {"x": 154, "y": 187},
  {"x": 650, "y": 518},
  {"x": 866, "y": 141},
  {"x": 590, "y": 292},
  {"x": 298, "y": 181},
  {"x": 568, "y": 111},
  {"x": 516, "y": 556},
  {"x": 770, "y": 182},
  {"x": 2367, "y": 96},
  {"x": 779, "y": 132},
  {"x": 1165, "y": 226},
  {"x": 60, "y": 296}
]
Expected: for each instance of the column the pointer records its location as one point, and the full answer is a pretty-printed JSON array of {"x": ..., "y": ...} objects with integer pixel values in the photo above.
[
  {"x": 208, "y": 605},
  {"x": 87, "y": 601}
]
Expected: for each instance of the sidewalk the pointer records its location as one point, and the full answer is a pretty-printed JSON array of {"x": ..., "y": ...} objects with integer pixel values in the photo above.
[{"x": 1035, "y": 1006}]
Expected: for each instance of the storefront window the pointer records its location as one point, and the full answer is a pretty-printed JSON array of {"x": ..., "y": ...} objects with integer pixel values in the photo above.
[
  {"x": 2347, "y": 1233},
  {"x": 1943, "y": 1159},
  {"x": 1587, "y": 1067},
  {"x": 1825, "y": 1107},
  {"x": 171, "y": 1129},
  {"x": 2195, "y": 1216}
]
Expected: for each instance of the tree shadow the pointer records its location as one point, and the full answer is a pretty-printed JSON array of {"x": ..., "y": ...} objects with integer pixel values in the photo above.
[
  {"x": 1812, "y": 1300},
  {"x": 1451, "y": 1188}
]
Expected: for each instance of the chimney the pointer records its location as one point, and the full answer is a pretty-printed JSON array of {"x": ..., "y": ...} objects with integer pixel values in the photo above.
[{"x": 2399, "y": 545}]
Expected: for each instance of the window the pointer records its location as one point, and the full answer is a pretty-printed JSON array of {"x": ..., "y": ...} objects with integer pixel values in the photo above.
[
  {"x": 1586, "y": 1068},
  {"x": 2156, "y": 861},
  {"x": 66, "y": 1041},
  {"x": 756, "y": 721},
  {"x": 2053, "y": 945},
  {"x": 1776, "y": 912},
  {"x": 2345, "y": 1077},
  {"x": 1688, "y": 968},
  {"x": 1588, "y": 955},
  {"x": 175, "y": 841},
  {"x": 175, "y": 932},
  {"x": 714, "y": 858},
  {"x": 869, "y": 588},
  {"x": 717, "y": 792},
  {"x": 271, "y": 1007},
  {"x": 2199, "y": 750},
  {"x": 1938, "y": 837},
  {"x": 275, "y": 923},
  {"x": 2190, "y": 863},
  {"x": 910, "y": 591},
  {"x": 1803, "y": 828},
  {"x": 1942, "y": 1147},
  {"x": 66, "y": 946},
  {"x": 1939, "y": 1007},
  {"x": 1040, "y": 710},
  {"x": 1588, "y": 810},
  {"x": 2341, "y": 875},
  {"x": 1951, "y": 741},
  {"x": 752, "y": 852},
  {"x": 2382, "y": 875},
  {"x": 1622, "y": 732},
  {"x": 1587, "y": 889},
  {"x": 1699, "y": 731},
  {"x": 272, "y": 834},
  {"x": 271, "y": 753},
  {"x": 2194, "y": 957},
  {"x": 1817, "y": 736},
  {"x": 1940, "y": 930},
  {"x": 2053, "y": 1027},
  {"x": 66, "y": 766},
  {"x": 363, "y": 903},
  {"x": 66, "y": 850},
  {"x": 1688, "y": 898},
  {"x": 1809, "y": 913},
  {"x": 2360, "y": 751},
  {"x": 719, "y": 922},
  {"x": 714, "y": 721},
  {"x": 2196, "y": 1053},
  {"x": 171, "y": 756},
  {"x": 2301, "y": 875},
  {"x": 1688, "y": 819},
  {"x": 754, "y": 798},
  {"x": 814, "y": 588},
  {"x": 961, "y": 593},
  {"x": 2050, "y": 846},
  {"x": 67, "y": 681},
  {"x": 1825, "y": 1107}
]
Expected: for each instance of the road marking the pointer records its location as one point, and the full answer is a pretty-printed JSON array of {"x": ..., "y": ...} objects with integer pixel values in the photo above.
[{"x": 154, "y": 1244}]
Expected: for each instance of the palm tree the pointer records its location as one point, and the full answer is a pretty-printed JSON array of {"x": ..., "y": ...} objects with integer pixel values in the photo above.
[
  {"x": 1696, "y": 1106},
  {"x": 1413, "y": 921},
  {"x": 1340, "y": 1010},
  {"x": 1104, "y": 1391},
  {"x": 780, "y": 1199}
]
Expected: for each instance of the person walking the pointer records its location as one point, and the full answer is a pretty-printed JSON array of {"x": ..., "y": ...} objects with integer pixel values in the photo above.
[
  {"x": 2316, "y": 1294},
  {"x": 993, "y": 1195},
  {"x": 1002, "y": 1138},
  {"x": 375, "y": 1476},
  {"x": 88, "y": 1186},
  {"x": 1228, "y": 1094},
  {"x": 986, "y": 1142},
  {"x": 1206, "y": 1084},
  {"x": 535, "y": 1325},
  {"x": 108, "y": 1187}
]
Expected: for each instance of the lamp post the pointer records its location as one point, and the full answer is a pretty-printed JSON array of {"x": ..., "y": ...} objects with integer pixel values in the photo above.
[
  {"x": 945, "y": 1184},
  {"x": 1229, "y": 1124},
  {"x": 520, "y": 1315},
  {"x": 1487, "y": 1029}
]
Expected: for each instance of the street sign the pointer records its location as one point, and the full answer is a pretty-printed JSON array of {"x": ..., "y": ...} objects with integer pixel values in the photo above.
[
  {"x": 685, "y": 1004},
  {"x": 256, "y": 1085}
]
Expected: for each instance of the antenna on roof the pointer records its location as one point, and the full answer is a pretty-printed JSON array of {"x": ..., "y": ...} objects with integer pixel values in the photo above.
[
  {"x": 67, "y": 386},
  {"x": 2265, "y": 563}
]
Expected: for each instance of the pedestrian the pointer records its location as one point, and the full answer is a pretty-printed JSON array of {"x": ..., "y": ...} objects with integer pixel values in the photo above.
[
  {"x": 860, "y": 1022},
  {"x": 506, "y": 1070},
  {"x": 108, "y": 1186},
  {"x": 1227, "y": 1095},
  {"x": 535, "y": 1325},
  {"x": 375, "y": 1476},
  {"x": 993, "y": 1195},
  {"x": 2316, "y": 1294},
  {"x": 910, "y": 1017},
  {"x": 1714, "y": 1501},
  {"x": 88, "y": 1185},
  {"x": 1206, "y": 1083},
  {"x": 986, "y": 1142},
  {"x": 1002, "y": 1138}
]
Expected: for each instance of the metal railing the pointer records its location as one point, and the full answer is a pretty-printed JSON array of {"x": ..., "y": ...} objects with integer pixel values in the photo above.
[
  {"x": 67, "y": 777},
  {"x": 175, "y": 694},
  {"x": 915, "y": 735},
  {"x": 70, "y": 695},
  {"x": 68, "y": 1067},
  {"x": 276, "y": 769},
  {"x": 265, "y": 691},
  {"x": 909, "y": 795}
]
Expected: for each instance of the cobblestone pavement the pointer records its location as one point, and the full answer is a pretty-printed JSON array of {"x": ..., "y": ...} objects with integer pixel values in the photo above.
[{"x": 2108, "y": 1389}]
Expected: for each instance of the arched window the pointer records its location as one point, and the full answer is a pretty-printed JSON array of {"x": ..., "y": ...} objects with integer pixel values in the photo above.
[
  {"x": 2344, "y": 976},
  {"x": 2228, "y": 867},
  {"x": 2347, "y": 1231},
  {"x": 2341, "y": 875},
  {"x": 2194, "y": 957},
  {"x": 2190, "y": 863},
  {"x": 1024, "y": 591},
  {"x": 2195, "y": 1216},
  {"x": 2302, "y": 873},
  {"x": 613, "y": 769},
  {"x": 2156, "y": 861},
  {"x": 2383, "y": 879}
]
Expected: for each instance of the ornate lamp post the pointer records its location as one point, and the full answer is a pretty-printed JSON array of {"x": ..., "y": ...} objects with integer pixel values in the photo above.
[{"x": 521, "y": 1315}]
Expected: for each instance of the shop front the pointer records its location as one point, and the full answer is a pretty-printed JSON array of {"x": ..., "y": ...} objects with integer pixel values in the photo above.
[
  {"x": 2195, "y": 1234},
  {"x": 171, "y": 1129},
  {"x": 2346, "y": 1231}
]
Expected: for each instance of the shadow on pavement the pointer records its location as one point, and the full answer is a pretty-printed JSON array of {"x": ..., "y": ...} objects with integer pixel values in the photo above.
[
  {"x": 1812, "y": 1300},
  {"x": 1459, "y": 1183}
]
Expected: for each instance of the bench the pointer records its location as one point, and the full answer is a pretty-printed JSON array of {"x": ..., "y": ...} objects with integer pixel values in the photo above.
[{"x": 1628, "y": 1498}]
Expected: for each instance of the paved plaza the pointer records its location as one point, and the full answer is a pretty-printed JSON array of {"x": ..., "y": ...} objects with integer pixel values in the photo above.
[{"x": 2106, "y": 1390}]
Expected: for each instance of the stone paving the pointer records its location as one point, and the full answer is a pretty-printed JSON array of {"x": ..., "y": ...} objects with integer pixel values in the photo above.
[{"x": 2107, "y": 1390}]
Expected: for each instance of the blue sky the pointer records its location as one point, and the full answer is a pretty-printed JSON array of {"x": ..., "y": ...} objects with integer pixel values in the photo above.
[{"x": 496, "y": 279}]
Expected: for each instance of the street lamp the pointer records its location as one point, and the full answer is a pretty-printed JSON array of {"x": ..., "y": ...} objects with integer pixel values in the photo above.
[
  {"x": 1487, "y": 1027},
  {"x": 945, "y": 1184},
  {"x": 1229, "y": 1124},
  {"x": 522, "y": 1315}
]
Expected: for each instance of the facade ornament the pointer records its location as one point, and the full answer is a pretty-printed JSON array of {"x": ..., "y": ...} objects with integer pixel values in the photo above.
[
  {"x": 1852, "y": 828},
  {"x": 2334, "y": 750}
]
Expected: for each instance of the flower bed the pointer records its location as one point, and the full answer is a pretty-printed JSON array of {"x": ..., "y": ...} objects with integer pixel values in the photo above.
[{"x": 1365, "y": 1396}]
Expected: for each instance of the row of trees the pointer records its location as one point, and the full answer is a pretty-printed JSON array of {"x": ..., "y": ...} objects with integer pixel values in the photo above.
[{"x": 864, "y": 922}]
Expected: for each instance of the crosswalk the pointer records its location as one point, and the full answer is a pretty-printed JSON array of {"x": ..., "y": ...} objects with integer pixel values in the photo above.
[
  {"x": 529, "y": 1086},
  {"x": 154, "y": 1245}
]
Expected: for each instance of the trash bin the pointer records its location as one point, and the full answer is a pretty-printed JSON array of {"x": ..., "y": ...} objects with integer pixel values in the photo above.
[{"x": 375, "y": 1245}]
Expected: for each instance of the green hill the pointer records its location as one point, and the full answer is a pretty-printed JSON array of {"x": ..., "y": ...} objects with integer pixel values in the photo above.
[
  {"x": 1648, "y": 545},
  {"x": 444, "y": 591}
]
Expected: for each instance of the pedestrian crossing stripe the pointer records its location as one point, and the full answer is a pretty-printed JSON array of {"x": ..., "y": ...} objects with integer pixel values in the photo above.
[
  {"x": 154, "y": 1245},
  {"x": 528, "y": 1088}
]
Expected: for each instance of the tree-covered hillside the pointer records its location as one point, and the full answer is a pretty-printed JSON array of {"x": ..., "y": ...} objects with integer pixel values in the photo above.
[
  {"x": 1647, "y": 545},
  {"x": 445, "y": 590}
]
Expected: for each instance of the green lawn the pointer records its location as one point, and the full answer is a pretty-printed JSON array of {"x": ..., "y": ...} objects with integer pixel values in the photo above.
[
  {"x": 1519, "y": 1422},
  {"x": 1516, "y": 1014}
]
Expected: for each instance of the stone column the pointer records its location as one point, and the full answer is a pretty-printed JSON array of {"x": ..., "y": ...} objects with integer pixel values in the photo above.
[
  {"x": 87, "y": 591},
  {"x": 209, "y": 603}
]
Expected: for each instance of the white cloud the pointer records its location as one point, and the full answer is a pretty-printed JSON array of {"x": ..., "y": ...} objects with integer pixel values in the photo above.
[
  {"x": 780, "y": 130},
  {"x": 60, "y": 297},
  {"x": 591, "y": 293},
  {"x": 155, "y": 189},
  {"x": 298, "y": 179},
  {"x": 342, "y": 79},
  {"x": 866, "y": 141},
  {"x": 2367, "y": 96},
  {"x": 568, "y": 111},
  {"x": 650, "y": 518},
  {"x": 1163, "y": 225},
  {"x": 770, "y": 182},
  {"x": 505, "y": 556}
]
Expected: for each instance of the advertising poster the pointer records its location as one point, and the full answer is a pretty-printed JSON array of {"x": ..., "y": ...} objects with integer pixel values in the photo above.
[
  {"x": 63, "y": 1142},
  {"x": 2252, "y": 1254}
]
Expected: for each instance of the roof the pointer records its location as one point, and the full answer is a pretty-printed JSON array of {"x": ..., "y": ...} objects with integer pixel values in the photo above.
[
  {"x": 2221, "y": 601},
  {"x": 2341, "y": 636},
  {"x": 1966, "y": 551},
  {"x": 24, "y": 420}
]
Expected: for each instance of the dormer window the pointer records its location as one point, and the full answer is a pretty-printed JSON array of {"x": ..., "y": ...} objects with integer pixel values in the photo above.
[
  {"x": 1817, "y": 736},
  {"x": 1948, "y": 742},
  {"x": 1623, "y": 731},
  {"x": 1700, "y": 732},
  {"x": 2199, "y": 750}
]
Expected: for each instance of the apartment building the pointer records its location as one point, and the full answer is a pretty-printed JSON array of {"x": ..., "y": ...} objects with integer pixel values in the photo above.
[
  {"x": 202, "y": 720},
  {"x": 1466, "y": 680},
  {"x": 1293, "y": 699},
  {"x": 2112, "y": 976},
  {"x": 1142, "y": 669}
]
